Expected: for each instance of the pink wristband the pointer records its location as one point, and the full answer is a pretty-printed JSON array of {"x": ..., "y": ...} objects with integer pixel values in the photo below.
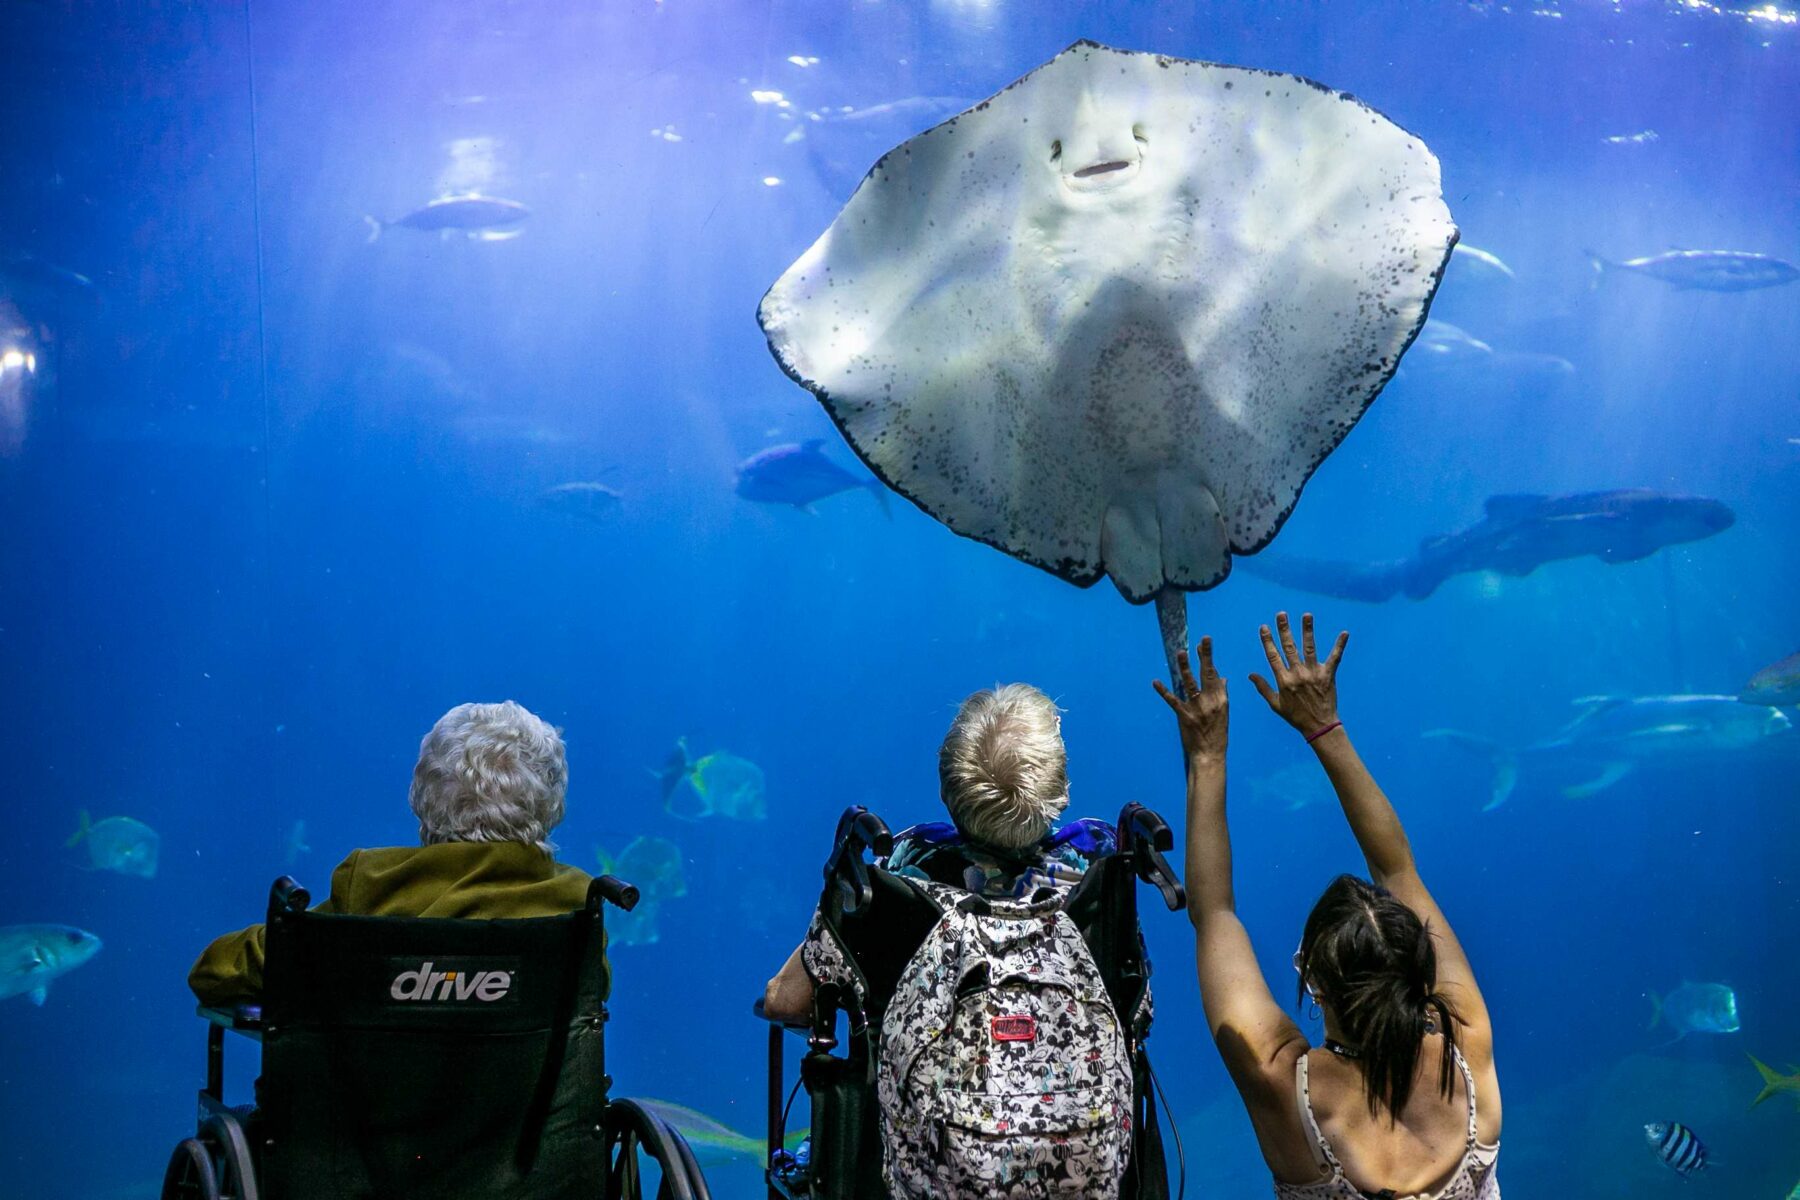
[{"x": 1311, "y": 738}]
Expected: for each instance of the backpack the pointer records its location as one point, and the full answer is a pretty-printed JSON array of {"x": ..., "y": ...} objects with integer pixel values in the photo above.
[{"x": 1003, "y": 1071}]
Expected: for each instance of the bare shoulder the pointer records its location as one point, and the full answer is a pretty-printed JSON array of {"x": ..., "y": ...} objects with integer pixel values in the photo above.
[{"x": 1272, "y": 1101}]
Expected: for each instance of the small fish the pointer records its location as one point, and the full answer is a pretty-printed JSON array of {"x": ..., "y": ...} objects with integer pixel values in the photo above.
[
  {"x": 724, "y": 784},
  {"x": 799, "y": 475},
  {"x": 1696, "y": 1008},
  {"x": 1294, "y": 787},
  {"x": 1642, "y": 137},
  {"x": 44, "y": 277},
  {"x": 1775, "y": 1083},
  {"x": 1475, "y": 254},
  {"x": 119, "y": 844},
  {"x": 33, "y": 955},
  {"x": 483, "y": 218},
  {"x": 1441, "y": 345},
  {"x": 652, "y": 863},
  {"x": 588, "y": 501},
  {"x": 293, "y": 843},
  {"x": 1705, "y": 270},
  {"x": 1680, "y": 1149},
  {"x": 1776, "y": 684}
]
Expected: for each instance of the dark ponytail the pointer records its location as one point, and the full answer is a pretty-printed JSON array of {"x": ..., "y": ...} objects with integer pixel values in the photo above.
[{"x": 1373, "y": 961}]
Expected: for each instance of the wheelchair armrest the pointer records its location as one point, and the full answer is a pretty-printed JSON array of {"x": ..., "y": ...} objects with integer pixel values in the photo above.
[
  {"x": 239, "y": 1018},
  {"x": 799, "y": 1028}
]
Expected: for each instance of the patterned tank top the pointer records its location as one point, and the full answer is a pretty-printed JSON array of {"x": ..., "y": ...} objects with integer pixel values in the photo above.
[{"x": 1473, "y": 1179}]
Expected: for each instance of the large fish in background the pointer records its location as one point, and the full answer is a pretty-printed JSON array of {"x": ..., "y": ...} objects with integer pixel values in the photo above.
[
  {"x": 1517, "y": 535},
  {"x": 1111, "y": 319},
  {"x": 1618, "y": 734},
  {"x": 33, "y": 955}
]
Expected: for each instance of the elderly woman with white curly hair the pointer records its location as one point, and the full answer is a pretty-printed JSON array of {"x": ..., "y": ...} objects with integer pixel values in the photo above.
[
  {"x": 1003, "y": 775},
  {"x": 488, "y": 789}
]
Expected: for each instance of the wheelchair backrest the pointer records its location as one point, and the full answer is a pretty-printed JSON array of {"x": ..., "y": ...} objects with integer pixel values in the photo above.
[{"x": 409, "y": 1057}]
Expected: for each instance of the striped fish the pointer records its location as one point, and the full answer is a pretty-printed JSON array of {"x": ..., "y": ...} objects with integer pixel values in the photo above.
[{"x": 1679, "y": 1147}]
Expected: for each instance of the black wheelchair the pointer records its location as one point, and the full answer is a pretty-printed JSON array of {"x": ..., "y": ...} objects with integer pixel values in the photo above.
[
  {"x": 447, "y": 1059},
  {"x": 882, "y": 920}
]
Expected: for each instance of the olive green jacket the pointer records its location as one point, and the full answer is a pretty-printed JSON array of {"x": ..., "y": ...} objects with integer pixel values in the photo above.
[{"x": 451, "y": 879}]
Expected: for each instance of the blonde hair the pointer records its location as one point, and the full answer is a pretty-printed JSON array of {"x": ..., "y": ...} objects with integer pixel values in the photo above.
[
  {"x": 490, "y": 773},
  {"x": 1002, "y": 770}
]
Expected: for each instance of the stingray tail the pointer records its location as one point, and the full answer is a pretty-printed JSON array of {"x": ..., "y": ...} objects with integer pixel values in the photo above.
[
  {"x": 376, "y": 225},
  {"x": 1505, "y": 762},
  {"x": 879, "y": 490},
  {"x": 1171, "y": 620},
  {"x": 83, "y": 826}
]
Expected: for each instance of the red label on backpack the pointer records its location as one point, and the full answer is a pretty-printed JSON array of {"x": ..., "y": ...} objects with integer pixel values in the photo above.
[{"x": 1015, "y": 1029}]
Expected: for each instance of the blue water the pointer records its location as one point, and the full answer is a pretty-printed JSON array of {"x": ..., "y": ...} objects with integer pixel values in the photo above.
[{"x": 268, "y": 508}]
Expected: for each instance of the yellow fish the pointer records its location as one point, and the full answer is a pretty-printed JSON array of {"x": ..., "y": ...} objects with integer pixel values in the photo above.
[{"x": 1774, "y": 1082}]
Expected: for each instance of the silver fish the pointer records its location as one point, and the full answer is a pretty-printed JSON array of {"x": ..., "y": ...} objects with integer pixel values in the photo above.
[
  {"x": 120, "y": 844},
  {"x": 1704, "y": 270},
  {"x": 33, "y": 955},
  {"x": 1642, "y": 137},
  {"x": 485, "y": 218},
  {"x": 587, "y": 500},
  {"x": 1696, "y": 1008},
  {"x": 1777, "y": 683}
]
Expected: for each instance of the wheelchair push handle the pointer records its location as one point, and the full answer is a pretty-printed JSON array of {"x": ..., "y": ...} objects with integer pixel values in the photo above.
[
  {"x": 1145, "y": 836},
  {"x": 286, "y": 896},
  {"x": 845, "y": 871},
  {"x": 614, "y": 891}
]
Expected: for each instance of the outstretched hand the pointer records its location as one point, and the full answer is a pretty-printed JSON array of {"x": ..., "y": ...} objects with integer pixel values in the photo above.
[
  {"x": 1305, "y": 690},
  {"x": 1202, "y": 709}
]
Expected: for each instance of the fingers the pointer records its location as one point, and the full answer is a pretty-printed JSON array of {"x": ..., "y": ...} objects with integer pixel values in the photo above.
[
  {"x": 1306, "y": 639},
  {"x": 1208, "y": 673},
  {"x": 1168, "y": 697},
  {"x": 1287, "y": 640},
  {"x": 1189, "y": 688},
  {"x": 1274, "y": 656},
  {"x": 1337, "y": 651},
  {"x": 1262, "y": 686}
]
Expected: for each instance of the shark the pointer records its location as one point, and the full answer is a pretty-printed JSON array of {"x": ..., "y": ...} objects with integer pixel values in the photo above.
[
  {"x": 1619, "y": 734},
  {"x": 1517, "y": 534}
]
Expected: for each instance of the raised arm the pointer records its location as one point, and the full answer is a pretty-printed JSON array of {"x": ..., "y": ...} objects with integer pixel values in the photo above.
[
  {"x": 1305, "y": 695},
  {"x": 1257, "y": 1040}
]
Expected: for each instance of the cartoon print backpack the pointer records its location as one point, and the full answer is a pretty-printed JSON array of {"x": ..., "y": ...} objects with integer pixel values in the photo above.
[{"x": 1003, "y": 1072}]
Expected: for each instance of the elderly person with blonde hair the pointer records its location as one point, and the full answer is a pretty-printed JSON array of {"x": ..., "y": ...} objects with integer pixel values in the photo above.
[
  {"x": 1003, "y": 776},
  {"x": 488, "y": 789}
]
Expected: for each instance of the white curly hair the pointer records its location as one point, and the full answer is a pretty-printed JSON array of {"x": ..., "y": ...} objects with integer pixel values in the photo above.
[
  {"x": 1002, "y": 770},
  {"x": 490, "y": 773}
]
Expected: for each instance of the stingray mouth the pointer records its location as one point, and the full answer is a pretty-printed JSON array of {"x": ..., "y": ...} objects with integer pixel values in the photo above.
[{"x": 1102, "y": 174}]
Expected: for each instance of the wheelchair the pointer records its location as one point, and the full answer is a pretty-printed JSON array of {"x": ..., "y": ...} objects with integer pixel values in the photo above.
[
  {"x": 411, "y": 1057},
  {"x": 882, "y": 920}
]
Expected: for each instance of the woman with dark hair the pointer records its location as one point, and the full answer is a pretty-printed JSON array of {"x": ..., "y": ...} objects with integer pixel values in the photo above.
[{"x": 1402, "y": 1098}]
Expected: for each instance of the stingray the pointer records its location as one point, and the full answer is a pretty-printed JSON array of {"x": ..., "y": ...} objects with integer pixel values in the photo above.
[{"x": 1112, "y": 318}]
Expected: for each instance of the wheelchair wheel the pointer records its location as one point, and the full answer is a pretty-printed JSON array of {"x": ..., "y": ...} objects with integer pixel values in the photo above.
[
  {"x": 223, "y": 1135},
  {"x": 191, "y": 1174}
]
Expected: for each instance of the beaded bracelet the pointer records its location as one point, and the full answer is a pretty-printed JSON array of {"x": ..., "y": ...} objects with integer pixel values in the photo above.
[{"x": 1311, "y": 738}]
